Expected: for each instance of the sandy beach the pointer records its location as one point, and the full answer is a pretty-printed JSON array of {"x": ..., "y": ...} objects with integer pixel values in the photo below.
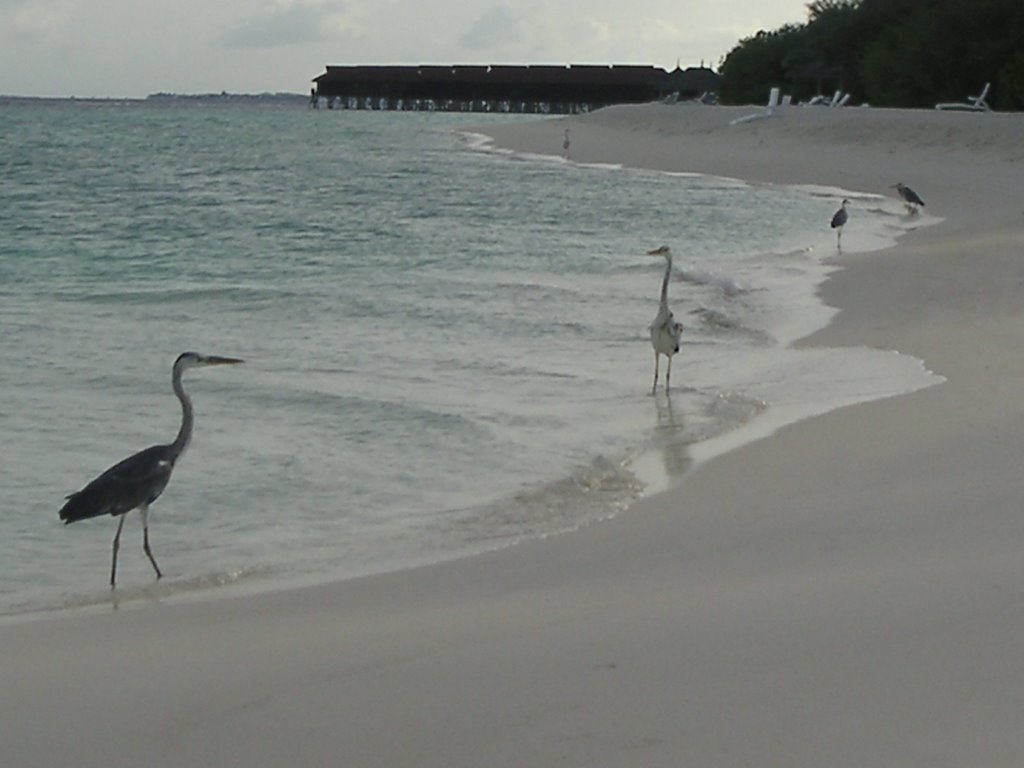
[{"x": 848, "y": 591}]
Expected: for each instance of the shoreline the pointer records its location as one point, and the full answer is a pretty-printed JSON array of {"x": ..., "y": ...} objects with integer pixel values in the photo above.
[
  {"x": 845, "y": 592},
  {"x": 658, "y": 464},
  {"x": 905, "y": 379}
]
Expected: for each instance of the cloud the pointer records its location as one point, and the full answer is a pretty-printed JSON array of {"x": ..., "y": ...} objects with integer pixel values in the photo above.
[
  {"x": 497, "y": 27},
  {"x": 36, "y": 23},
  {"x": 562, "y": 32},
  {"x": 288, "y": 24},
  {"x": 135, "y": 47}
]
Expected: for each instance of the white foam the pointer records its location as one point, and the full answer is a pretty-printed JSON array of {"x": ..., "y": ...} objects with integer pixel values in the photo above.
[{"x": 799, "y": 383}]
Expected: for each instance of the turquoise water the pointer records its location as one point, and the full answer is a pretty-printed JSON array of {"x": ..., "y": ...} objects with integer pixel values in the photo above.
[{"x": 446, "y": 348}]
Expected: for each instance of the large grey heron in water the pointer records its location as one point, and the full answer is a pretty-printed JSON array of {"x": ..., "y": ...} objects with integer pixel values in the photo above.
[
  {"x": 910, "y": 198},
  {"x": 138, "y": 481},
  {"x": 839, "y": 219},
  {"x": 665, "y": 331}
]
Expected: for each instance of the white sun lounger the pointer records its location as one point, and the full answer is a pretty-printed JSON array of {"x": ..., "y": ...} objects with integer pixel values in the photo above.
[
  {"x": 773, "y": 102},
  {"x": 973, "y": 103}
]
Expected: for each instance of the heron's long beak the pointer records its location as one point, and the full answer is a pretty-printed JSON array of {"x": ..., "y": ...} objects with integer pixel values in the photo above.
[{"x": 216, "y": 360}]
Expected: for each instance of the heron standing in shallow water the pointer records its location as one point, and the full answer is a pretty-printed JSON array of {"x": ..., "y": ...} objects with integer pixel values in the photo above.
[
  {"x": 665, "y": 331},
  {"x": 138, "y": 481},
  {"x": 910, "y": 198},
  {"x": 839, "y": 219}
]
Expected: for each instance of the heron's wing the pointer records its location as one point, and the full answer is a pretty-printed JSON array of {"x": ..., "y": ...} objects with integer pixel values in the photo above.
[
  {"x": 665, "y": 333},
  {"x": 909, "y": 195},
  {"x": 129, "y": 484},
  {"x": 666, "y": 322},
  {"x": 839, "y": 218},
  {"x": 663, "y": 317}
]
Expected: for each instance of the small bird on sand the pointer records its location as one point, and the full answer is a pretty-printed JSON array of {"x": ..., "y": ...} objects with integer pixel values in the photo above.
[
  {"x": 839, "y": 219},
  {"x": 910, "y": 198}
]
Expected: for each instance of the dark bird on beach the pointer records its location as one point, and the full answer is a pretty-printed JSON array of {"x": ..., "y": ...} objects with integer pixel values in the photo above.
[
  {"x": 910, "y": 198},
  {"x": 665, "y": 331},
  {"x": 138, "y": 481},
  {"x": 839, "y": 219}
]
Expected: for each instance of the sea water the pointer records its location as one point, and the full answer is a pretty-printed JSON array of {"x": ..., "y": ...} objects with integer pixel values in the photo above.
[{"x": 446, "y": 346}]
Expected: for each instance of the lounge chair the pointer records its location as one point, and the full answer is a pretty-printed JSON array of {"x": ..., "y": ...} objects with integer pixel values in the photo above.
[
  {"x": 838, "y": 99},
  {"x": 773, "y": 102},
  {"x": 973, "y": 103}
]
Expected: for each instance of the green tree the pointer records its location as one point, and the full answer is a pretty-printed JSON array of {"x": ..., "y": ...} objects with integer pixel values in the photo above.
[
  {"x": 1009, "y": 85},
  {"x": 827, "y": 58},
  {"x": 910, "y": 53},
  {"x": 755, "y": 65},
  {"x": 943, "y": 51}
]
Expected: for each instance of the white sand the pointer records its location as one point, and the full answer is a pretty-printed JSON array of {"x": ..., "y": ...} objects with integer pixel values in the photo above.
[{"x": 847, "y": 592}]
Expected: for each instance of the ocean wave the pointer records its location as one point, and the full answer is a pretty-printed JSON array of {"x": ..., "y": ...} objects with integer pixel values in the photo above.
[{"x": 730, "y": 286}]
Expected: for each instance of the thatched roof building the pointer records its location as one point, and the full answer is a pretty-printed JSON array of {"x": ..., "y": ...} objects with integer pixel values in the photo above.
[{"x": 566, "y": 88}]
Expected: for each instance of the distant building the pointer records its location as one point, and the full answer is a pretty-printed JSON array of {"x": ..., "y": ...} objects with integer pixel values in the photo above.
[
  {"x": 692, "y": 82},
  {"x": 506, "y": 88}
]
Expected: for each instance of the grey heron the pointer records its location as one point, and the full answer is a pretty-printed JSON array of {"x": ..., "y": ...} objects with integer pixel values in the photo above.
[
  {"x": 910, "y": 198},
  {"x": 665, "y": 330},
  {"x": 839, "y": 219},
  {"x": 136, "y": 482}
]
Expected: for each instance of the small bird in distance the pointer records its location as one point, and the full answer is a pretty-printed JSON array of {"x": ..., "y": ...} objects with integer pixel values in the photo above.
[
  {"x": 911, "y": 200},
  {"x": 839, "y": 219}
]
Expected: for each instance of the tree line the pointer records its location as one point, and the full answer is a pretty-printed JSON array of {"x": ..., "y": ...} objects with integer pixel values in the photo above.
[{"x": 889, "y": 53}]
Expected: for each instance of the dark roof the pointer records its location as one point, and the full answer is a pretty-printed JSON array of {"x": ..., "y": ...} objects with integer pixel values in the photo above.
[
  {"x": 591, "y": 84},
  {"x": 580, "y": 74}
]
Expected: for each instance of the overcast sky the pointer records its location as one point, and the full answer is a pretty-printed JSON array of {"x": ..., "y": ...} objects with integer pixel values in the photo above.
[{"x": 133, "y": 48}]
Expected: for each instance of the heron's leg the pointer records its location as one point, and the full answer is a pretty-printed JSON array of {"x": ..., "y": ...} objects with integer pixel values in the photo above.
[
  {"x": 144, "y": 509},
  {"x": 117, "y": 544},
  {"x": 668, "y": 372},
  {"x": 656, "y": 360}
]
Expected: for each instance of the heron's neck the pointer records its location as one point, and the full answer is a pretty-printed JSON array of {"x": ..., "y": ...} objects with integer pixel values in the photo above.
[
  {"x": 185, "y": 433},
  {"x": 664, "y": 283}
]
